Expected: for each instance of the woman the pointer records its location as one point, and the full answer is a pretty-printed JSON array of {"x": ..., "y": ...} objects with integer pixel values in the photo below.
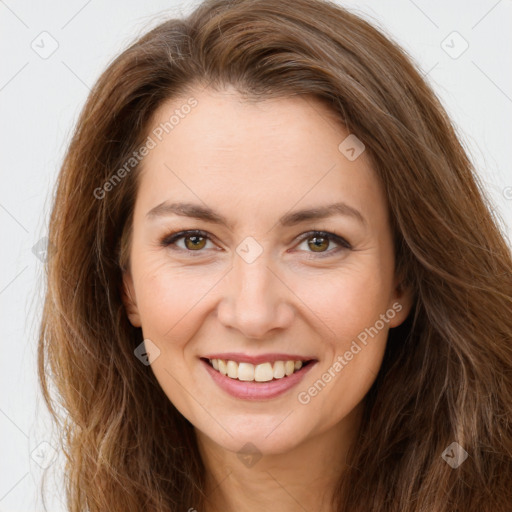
[{"x": 218, "y": 344}]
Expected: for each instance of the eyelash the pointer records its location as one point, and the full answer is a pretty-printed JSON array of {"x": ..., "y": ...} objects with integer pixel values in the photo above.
[{"x": 172, "y": 238}]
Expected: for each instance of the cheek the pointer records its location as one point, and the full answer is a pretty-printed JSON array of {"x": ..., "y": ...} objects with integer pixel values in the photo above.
[
  {"x": 350, "y": 307},
  {"x": 346, "y": 302},
  {"x": 169, "y": 298}
]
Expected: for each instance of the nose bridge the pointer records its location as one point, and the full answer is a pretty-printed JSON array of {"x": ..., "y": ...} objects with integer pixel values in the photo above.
[
  {"x": 255, "y": 301},
  {"x": 253, "y": 281}
]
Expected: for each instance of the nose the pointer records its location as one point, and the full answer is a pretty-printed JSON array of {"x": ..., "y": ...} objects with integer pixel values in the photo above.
[{"x": 255, "y": 299}]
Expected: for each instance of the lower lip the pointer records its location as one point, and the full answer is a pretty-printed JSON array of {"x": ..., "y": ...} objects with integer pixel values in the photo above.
[{"x": 257, "y": 390}]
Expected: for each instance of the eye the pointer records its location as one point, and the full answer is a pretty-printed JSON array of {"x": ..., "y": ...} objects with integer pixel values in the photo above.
[
  {"x": 194, "y": 240},
  {"x": 318, "y": 242}
]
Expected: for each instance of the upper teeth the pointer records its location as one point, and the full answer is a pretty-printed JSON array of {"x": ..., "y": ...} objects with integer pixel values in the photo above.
[{"x": 260, "y": 373}]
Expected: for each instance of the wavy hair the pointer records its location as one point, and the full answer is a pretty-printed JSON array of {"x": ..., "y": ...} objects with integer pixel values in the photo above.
[{"x": 447, "y": 371}]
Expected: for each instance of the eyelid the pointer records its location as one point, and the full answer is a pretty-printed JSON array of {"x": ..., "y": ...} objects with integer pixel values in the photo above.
[
  {"x": 326, "y": 234},
  {"x": 171, "y": 238}
]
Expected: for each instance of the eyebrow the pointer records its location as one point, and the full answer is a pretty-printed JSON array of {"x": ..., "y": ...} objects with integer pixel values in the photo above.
[{"x": 197, "y": 211}]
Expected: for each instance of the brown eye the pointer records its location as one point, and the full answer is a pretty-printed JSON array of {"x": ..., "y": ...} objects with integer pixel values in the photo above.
[
  {"x": 187, "y": 241},
  {"x": 318, "y": 243},
  {"x": 193, "y": 242}
]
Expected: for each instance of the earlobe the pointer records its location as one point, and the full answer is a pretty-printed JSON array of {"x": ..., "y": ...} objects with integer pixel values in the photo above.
[
  {"x": 129, "y": 301},
  {"x": 401, "y": 303}
]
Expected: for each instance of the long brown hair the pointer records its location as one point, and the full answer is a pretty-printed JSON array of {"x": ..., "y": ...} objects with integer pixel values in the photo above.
[{"x": 447, "y": 371}]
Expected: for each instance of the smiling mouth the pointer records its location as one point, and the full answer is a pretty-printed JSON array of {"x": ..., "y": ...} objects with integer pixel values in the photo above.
[{"x": 264, "y": 372}]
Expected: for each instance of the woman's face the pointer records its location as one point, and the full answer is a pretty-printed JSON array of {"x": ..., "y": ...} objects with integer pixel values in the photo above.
[{"x": 259, "y": 285}]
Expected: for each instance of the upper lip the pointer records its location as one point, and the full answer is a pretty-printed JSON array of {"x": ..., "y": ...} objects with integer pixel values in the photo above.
[{"x": 257, "y": 359}]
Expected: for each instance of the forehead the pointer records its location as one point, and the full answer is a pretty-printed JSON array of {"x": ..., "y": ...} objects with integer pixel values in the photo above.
[
  {"x": 262, "y": 154},
  {"x": 224, "y": 122}
]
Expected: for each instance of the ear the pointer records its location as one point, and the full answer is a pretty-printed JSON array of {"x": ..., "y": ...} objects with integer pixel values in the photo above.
[
  {"x": 401, "y": 302},
  {"x": 129, "y": 301}
]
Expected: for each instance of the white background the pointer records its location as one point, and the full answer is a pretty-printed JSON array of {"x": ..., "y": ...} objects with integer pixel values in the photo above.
[{"x": 40, "y": 99}]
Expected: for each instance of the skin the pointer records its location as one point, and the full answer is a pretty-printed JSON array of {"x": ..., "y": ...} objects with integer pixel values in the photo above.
[{"x": 252, "y": 163}]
